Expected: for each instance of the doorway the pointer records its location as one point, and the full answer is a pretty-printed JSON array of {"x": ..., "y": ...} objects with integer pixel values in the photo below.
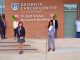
[{"x": 70, "y": 16}]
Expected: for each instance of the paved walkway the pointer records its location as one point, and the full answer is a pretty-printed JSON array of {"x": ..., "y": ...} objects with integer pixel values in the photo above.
[
  {"x": 25, "y": 56},
  {"x": 64, "y": 54},
  {"x": 66, "y": 49}
]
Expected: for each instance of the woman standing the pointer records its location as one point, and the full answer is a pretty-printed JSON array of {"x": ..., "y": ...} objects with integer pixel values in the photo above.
[
  {"x": 20, "y": 36},
  {"x": 51, "y": 31}
]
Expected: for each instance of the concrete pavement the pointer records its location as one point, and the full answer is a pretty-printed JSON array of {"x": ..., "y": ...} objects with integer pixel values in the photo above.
[{"x": 66, "y": 49}]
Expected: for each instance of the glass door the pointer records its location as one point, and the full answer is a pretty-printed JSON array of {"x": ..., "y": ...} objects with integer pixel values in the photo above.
[{"x": 70, "y": 16}]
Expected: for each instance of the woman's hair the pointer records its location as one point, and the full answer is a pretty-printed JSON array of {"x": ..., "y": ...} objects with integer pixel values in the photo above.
[
  {"x": 0, "y": 18},
  {"x": 20, "y": 23},
  {"x": 50, "y": 22}
]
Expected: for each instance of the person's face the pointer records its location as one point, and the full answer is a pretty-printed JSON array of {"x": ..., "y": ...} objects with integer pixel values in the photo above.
[
  {"x": 51, "y": 17},
  {"x": 50, "y": 23},
  {"x": 2, "y": 18},
  {"x": 15, "y": 20},
  {"x": 20, "y": 24}
]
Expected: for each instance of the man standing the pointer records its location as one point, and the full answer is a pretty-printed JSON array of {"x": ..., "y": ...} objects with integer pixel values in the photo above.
[
  {"x": 3, "y": 28},
  {"x": 55, "y": 23},
  {"x": 78, "y": 28},
  {"x": 15, "y": 25},
  {"x": 0, "y": 25}
]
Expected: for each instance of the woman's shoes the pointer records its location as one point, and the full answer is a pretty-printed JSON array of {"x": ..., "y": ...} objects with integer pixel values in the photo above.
[
  {"x": 20, "y": 52},
  {"x": 49, "y": 49},
  {"x": 53, "y": 49}
]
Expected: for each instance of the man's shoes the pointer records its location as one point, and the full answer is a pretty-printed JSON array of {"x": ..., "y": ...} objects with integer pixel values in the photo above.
[{"x": 2, "y": 38}]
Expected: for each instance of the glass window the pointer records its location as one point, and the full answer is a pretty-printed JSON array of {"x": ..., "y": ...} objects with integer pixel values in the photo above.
[
  {"x": 2, "y": 7},
  {"x": 70, "y": 7}
]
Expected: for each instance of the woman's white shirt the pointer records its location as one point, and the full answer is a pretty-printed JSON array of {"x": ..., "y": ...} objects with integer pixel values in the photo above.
[
  {"x": 15, "y": 24},
  {"x": 51, "y": 30},
  {"x": 77, "y": 26}
]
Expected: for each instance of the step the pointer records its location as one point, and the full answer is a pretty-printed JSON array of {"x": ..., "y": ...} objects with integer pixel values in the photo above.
[
  {"x": 16, "y": 48},
  {"x": 11, "y": 44}
]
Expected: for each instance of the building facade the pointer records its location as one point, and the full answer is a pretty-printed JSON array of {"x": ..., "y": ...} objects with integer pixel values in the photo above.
[{"x": 35, "y": 15}]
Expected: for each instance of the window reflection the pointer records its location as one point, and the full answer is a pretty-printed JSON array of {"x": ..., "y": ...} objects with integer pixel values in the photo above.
[
  {"x": 2, "y": 7},
  {"x": 70, "y": 7}
]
